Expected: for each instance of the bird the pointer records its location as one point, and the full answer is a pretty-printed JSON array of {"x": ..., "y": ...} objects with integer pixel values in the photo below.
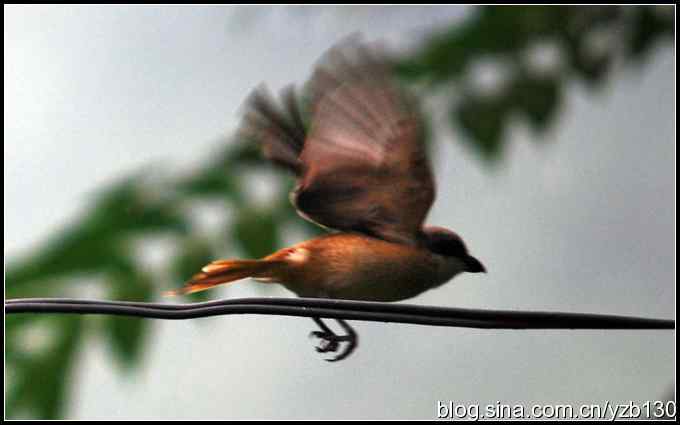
[{"x": 354, "y": 139}]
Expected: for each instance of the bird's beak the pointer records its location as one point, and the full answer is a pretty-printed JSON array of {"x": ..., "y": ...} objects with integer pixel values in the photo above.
[{"x": 473, "y": 265}]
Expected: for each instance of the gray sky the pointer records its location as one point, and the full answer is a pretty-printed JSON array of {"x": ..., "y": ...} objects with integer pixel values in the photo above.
[{"x": 580, "y": 220}]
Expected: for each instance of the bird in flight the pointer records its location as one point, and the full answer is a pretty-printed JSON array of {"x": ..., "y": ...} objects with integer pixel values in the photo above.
[{"x": 363, "y": 174}]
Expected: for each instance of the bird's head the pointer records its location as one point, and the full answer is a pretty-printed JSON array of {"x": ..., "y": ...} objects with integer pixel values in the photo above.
[{"x": 448, "y": 244}]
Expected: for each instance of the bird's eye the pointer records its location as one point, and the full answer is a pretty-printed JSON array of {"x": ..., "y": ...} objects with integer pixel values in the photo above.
[
  {"x": 455, "y": 247},
  {"x": 448, "y": 246}
]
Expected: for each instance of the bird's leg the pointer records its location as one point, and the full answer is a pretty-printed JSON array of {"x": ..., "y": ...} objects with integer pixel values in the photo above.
[
  {"x": 327, "y": 336},
  {"x": 350, "y": 337},
  {"x": 330, "y": 341}
]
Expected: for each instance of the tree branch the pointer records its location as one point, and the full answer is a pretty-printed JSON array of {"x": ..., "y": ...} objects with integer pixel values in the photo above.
[{"x": 341, "y": 309}]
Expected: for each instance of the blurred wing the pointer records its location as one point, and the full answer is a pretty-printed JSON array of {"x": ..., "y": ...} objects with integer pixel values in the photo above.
[
  {"x": 279, "y": 130},
  {"x": 364, "y": 165}
]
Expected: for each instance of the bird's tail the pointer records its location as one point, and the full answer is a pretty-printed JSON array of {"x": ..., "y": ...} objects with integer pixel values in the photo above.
[{"x": 225, "y": 271}]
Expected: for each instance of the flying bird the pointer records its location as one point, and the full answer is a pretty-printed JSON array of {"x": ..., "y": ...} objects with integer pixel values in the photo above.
[{"x": 363, "y": 174}]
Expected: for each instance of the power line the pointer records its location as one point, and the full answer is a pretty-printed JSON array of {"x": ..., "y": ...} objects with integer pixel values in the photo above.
[{"x": 341, "y": 309}]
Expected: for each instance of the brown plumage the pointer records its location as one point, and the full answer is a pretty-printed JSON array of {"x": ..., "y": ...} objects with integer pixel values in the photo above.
[{"x": 362, "y": 172}]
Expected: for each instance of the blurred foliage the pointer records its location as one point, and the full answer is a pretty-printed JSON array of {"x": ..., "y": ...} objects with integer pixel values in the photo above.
[
  {"x": 537, "y": 51},
  {"x": 99, "y": 245}
]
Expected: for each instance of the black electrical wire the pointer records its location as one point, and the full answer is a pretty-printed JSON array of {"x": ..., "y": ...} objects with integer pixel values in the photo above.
[{"x": 341, "y": 309}]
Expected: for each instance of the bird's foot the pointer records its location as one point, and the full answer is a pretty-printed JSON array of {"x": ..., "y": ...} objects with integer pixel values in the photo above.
[{"x": 330, "y": 342}]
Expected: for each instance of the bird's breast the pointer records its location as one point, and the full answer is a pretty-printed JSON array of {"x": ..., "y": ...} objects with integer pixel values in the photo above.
[{"x": 353, "y": 266}]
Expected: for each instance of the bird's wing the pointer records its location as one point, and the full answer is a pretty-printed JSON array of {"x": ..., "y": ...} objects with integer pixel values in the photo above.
[
  {"x": 278, "y": 129},
  {"x": 363, "y": 164}
]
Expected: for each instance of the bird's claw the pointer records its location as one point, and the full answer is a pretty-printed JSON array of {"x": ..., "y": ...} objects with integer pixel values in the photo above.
[{"x": 330, "y": 342}]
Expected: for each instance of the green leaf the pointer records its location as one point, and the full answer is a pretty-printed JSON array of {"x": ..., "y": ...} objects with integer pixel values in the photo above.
[
  {"x": 195, "y": 253},
  {"x": 537, "y": 99},
  {"x": 483, "y": 120},
  {"x": 648, "y": 25},
  {"x": 256, "y": 232},
  {"x": 89, "y": 245},
  {"x": 126, "y": 334},
  {"x": 245, "y": 152},
  {"x": 38, "y": 389},
  {"x": 211, "y": 182}
]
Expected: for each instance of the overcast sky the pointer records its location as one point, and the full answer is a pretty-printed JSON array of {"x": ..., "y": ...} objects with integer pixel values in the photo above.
[{"x": 581, "y": 220}]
